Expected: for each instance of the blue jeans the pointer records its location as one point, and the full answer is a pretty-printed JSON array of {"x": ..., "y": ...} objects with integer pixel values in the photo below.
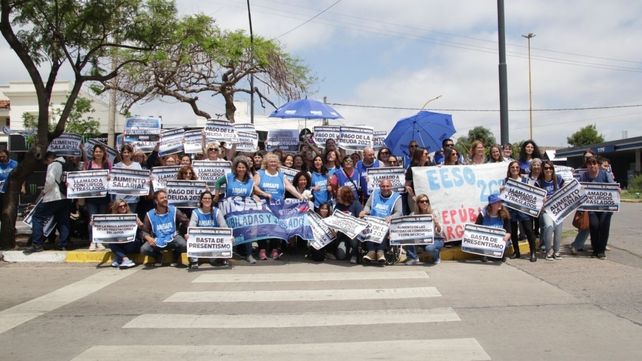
[
  {"x": 580, "y": 239},
  {"x": 177, "y": 245},
  {"x": 95, "y": 206},
  {"x": 434, "y": 249},
  {"x": 60, "y": 211},
  {"x": 551, "y": 234},
  {"x": 120, "y": 250}
]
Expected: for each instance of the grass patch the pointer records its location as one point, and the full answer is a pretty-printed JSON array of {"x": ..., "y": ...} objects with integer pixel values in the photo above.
[{"x": 631, "y": 195}]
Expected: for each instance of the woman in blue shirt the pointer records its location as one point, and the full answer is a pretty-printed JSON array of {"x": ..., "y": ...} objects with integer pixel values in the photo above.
[
  {"x": 550, "y": 232},
  {"x": 206, "y": 215}
]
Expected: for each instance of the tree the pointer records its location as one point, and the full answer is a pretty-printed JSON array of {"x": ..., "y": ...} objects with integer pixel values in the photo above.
[
  {"x": 585, "y": 136},
  {"x": 478, "y": 133},
  {"x": 202, "y": 60},
  {"x": 49, "y": 36},
  {"x": 79, "y": 121}
]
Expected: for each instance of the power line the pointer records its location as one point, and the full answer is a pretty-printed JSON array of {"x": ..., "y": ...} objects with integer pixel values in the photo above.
[
  {"x": 310, "y": 19},
  {"x": 367, "y": 106}
]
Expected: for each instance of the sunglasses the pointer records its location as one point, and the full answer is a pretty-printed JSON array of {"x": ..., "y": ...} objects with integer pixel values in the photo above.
[
  {"x": 212, "y": 149},
  {"x": 450, "y": 145},
  {"x": 548, "y": 168},
  {"x": 122, "y": 205},
  {"x": 423, "y": 201},
  {"x": 384, "y": 152}
]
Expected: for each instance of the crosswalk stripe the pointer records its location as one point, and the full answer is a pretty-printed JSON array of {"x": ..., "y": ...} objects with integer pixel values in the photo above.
[
  {"x": 304, "y": 295},
  {"x": 308, "y": 277},
  {"x": 26, "y": 311},
  {"x": 451, "y": 349},
  {"x": 306, "y": 319}
]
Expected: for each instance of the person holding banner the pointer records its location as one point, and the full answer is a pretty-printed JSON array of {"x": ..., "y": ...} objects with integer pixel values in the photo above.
[
  {"x": 160, "y": 230},
  {"x": 386, "y": 204},
  {"x": 319, "y": 182},
  {"x": 384, "y": 156},
  {"x": 367, "y": 162},
  {"x": 347, "y": 175},
  {"x": 270, "y": 184},
  {"x": 518, "y": 219},
  {"x": 599, "y": 222},
  {"x": 423, "y": 207},
  {"x": 533, "y": 176},
  {"x": 495, "y": 215},
  {"x": 238, "y": 183},
  {"x": 551, "y": 232},
  {"x": 528, "y": 151},
  {"x": 186, "y": 161},
  {"x": 206, "y": 215},
  {"x": 126, "y": 162},
  {"x": 420, "y": 158},
  {"x": 331, "y": 161},
  {"x": 120, "y": 250},
  {"x": 96, "y": 205},
  {"x": 348, "y": 204}
]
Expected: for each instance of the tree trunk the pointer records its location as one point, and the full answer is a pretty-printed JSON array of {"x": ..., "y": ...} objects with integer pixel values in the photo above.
[
  {"x": 10, "y": 203},
  {"x": 230, "y": 109}
]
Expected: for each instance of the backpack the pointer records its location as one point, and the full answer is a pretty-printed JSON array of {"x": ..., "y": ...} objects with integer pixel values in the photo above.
[{"x": 62, "y": 182}]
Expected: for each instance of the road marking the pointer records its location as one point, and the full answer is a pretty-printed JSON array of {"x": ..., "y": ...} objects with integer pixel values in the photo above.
[
  {"x": 308, "y": 277},
  {"x": 306, "y": 319},
  {"x": 304, "y": 295},
  {"x": 26, "y": 311},
  {"x": 452, "y": 349}
]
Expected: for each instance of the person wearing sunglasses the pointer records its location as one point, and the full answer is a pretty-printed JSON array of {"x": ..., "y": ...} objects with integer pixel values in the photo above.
[
  {"x": 439, "y": 156},
  {"x": 551, "y": 233},
  {"x": 434, "y": 249},
  {"x": 384, "y": 156},
  {"x": 518, "y": 219},
  {"x": 120, "y": 250}
]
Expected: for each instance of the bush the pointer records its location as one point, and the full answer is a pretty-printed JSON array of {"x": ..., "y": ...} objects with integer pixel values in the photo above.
[{"x": 635, "y": 184}]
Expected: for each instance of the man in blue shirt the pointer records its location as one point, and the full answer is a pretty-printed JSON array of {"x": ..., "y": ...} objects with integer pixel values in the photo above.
[{"x": 161, "y": 230}]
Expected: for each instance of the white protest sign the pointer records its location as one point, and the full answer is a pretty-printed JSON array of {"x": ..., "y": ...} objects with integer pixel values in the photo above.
[
  {"x": 113, "y": 228},
  {"x": 376, "y": 231},
  {"x": 184, "y": 193},
  {"x": 211, "y": 170},
  {"x": 248, "y": 141},
  {"x": 523, "y": 197},
  {"x": 355, "y": 138},
  {"x": 171, "y": 142},
  {"x": 407, "y": 230},
  {"x": 377, "y": 139},
  {"x": 220, "y": 131},
  {"x": 244, "y": 127},
  {"x": 602, "y": 197},
  {"x": 142, "y": 132},
  {"x": 396, "y": 175},
  {"x": 87, "y": 184},
  {"x": 66, "y": 145},
  {"x": 483, "y": 240},
  {"x": 50, "y": 223},
  {"x": 565, "y": 172},
  {"x": 289, "y": 173},
  {"x": 323, "y": 235},
  {"x": 209, "y": 242},
  {"x": 458, "y": 192},
  {"x": 346, "y": 224},
  {"x": 160, "y": 176},
  {"x": 89, "y": 150},
  {"x": 193, "y": 141},
  {"x": 324, "y": 132},
  {"x": 565, "y": 201},
  {"x": 130, "y": 182},
  {"x": 284, "y": 139}
]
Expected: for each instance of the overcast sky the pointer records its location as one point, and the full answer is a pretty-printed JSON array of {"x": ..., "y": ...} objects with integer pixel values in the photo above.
[{"x": 402, "y": 53}]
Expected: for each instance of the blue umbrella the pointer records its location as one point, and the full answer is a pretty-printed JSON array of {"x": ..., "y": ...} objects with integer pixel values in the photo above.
[
  {"x": 428, "y": 129},
  {"x": 305, "y": 109}
]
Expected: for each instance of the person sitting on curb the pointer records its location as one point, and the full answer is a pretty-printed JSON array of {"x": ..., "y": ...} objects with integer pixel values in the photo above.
[
  {"x": 385, "y": 204},
  {"x": 161, "y": 232},
  {"x": 495, "y": 215}
]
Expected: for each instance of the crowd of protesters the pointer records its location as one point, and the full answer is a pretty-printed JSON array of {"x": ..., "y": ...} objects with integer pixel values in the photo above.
[{"x": 327, "y": 177}]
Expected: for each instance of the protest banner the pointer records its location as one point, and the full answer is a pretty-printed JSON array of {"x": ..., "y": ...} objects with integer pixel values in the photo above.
[
  {"x": 89, "y": 149},
  {"x": 407, "y": 230},
  {"x": 248, "y": 141},
  {"x": 323, "y": 235},
  {"x": 324, "y": 132},
  {"x": 113, "y": 228},
  {"x": 87, "y": 184},
  {"x": 396, "y": 175},
  {"x": 129, "y": 182},
  {"x": 66, "y": 145},
  {"x": 244, "y": 127},
  {"x": 220, "y": 131},
  {"x": 50, "y": 223},
  {"x": 211, "y": 170},
  {"x": 285, "y": 139},
  {"x": 355, "y": 138},
  {"x": 565, "y": 201},
  {"x": 209, "y": 242},
  {"x": 565, "y": 172},
  {"x": 142, "y": 133},
  {"x": 171, "y": 142},
  {"x": 458, "y": 192},
  {"x": 193, "y": 141},
  {"x": 601, "y": 197},
  {"x": 483, "y": 240},
  {"x": 184, "y": 193},
  {"x": 160, "y": 176},
  {"x": 378, "y": 137},
  {"x": 254, "y": 220},
  {"x": 289, "y": 173},
  {"x": 523, "y": 197},
  {"x": 376, "y": 230},
  {"x": 346, "y": 224}
]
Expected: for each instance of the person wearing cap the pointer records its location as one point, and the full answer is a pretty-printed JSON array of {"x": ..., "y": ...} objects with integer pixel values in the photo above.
[{"x": 495, "y": 215}]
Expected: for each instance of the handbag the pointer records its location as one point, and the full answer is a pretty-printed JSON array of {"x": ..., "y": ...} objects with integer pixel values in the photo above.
[{"x": 581, "y": 220}]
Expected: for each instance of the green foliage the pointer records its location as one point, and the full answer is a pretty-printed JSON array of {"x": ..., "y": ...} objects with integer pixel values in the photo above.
[
  {"x": 585, "y": 136},
  {"x": 478, "y": 133},
  {"x": 635, "y": 184},
  {"x": 79, "y": 121}
]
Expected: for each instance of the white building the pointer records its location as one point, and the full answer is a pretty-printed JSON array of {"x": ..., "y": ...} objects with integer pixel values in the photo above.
[{"x": 19, "y": 97}]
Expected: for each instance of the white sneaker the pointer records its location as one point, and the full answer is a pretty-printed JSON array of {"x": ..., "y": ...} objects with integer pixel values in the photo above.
[
  {"x": 92, "y": 246},
  {"x": 100, "y": 247},
  {"x": 353, "y": 259},
  {"x": 115, "y": 264},
  {"x": 128, "y": 263}
]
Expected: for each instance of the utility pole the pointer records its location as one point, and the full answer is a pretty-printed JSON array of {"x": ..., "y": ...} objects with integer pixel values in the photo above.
[
  {"x": 528, "y": 37},
  {"x": 503, "y": 77},
  {"x": 249, "y": 16}
]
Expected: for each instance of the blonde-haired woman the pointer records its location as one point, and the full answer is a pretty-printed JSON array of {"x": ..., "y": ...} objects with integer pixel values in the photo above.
[
  {"x": 423, "y": 207},
  {"x": 120, "y": 250}
]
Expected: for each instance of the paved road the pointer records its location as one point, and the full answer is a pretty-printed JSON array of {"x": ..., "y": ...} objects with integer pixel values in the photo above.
[{"x": 577, "y": 308}]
